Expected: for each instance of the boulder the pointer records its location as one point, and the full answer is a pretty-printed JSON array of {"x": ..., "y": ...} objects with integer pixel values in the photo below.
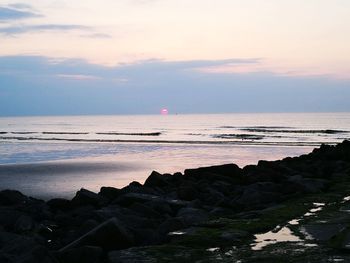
[
  {"x": 86, "y": 197},
  {"x": 109, "y": 193},
  {"x": 23, "y": 249},
  {"x": 9, "y": 216},
  {"x": 187, "y": 191},
  {"x": 192, "y": 216},
  {"x": 12, "y": 197},
  {"x": 133, "y": 255},
  {"x": 308, "y": 185},
  {"x": 24, "y": 224},
  {"x": 59, "y": 204},
  {"x": 225, "y": 170},
  {"x": 157, "y": 180},
  {"x": 169, "y": 225},
  {"x": 84, "y": 254},
  {"x": 109, "y": 235}
]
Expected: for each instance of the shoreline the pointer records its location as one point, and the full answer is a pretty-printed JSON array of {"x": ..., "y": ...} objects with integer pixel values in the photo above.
[
  {"x": 198, "y": 215},
  {"x": 48, "y": 178}
]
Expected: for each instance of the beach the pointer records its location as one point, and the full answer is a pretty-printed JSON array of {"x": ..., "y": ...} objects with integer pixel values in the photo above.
[
  {"x": 48, "y": 157},
  {"x": 62, "y": 178},
  {"x": 297, "y": 206}
]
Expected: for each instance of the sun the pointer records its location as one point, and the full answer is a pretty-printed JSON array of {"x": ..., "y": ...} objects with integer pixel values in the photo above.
[{"x": 164, "y": 111}]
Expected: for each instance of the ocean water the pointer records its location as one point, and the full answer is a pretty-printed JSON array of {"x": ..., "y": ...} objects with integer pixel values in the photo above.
[{"x": 55, "y": 156}]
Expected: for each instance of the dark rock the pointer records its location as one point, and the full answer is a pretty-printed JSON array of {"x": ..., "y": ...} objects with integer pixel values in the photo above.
[
  {"x": 234, "y": 235},
  {"x": 258, "y": 194},
  {"x": 131, "y": 198},
  {"x": 86, "y": 197},
  {"x": 110, "y": 193},
  {"x": 187, "y": 191},
  {"x": 171, "y": 224},
  {"x": 308, "y": 185},
  {"x": 59, "y": 204},
  {"x": 157, "y": 180},
  {"x": 23, "y": 249},
  {"x": 12, "y": 197},
  {"x": 24, "y": 224},
  {"x": 87, "y": 226},
  {"x": 191, "y": 216},
  {"x": 225, "y": 170},
  {"x": 132, "y": 255},
  {"x": 146, "y": 236},
  {"x": 84, "y": 254},
  {"x": 8, "y": 217},
  {"x": 161, "y": 207},
  {"x": 109, "y": 235},
  {"x": 145, "y": 211},
  {"x": 324, "y": 232}
]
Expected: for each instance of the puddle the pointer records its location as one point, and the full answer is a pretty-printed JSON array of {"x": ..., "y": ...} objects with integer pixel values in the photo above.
[
  {"x": 346, "y": 198},
  {"x": 285, "y": 234},
  {"x": 176, "y": 233},
  {"x": 336, "y": 259},
  {"x": 294, "y": 222},
  {"x": 312, "y": 211},
  {"x": 272, "y": 237},
  {"x": 213, "y": 249}
]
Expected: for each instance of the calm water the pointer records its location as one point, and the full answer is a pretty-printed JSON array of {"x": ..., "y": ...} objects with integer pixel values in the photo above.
[{"x": 54, "y": 156}]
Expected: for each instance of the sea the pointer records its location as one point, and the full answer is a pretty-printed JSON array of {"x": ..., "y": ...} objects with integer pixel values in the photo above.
[{"x": 54, "y": 156}]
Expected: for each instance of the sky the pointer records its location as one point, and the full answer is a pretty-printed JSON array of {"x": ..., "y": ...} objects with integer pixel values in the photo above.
[{"x": 60, "y": 57}]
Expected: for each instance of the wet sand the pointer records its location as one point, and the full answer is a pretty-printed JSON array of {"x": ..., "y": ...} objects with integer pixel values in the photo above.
[{"x": 62, "y": 178}]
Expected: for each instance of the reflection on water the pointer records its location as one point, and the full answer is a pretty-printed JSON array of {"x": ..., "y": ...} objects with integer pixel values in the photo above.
[{"x": 285, "y": 234}]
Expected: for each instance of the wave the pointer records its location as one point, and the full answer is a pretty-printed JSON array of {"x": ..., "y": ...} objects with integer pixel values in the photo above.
[
  {"x": 65, "y": 133},
  {"x": 255, "y": 127},
  {"x": 293, "y": 131},
  {"x": 131, "y": 134},
  {"x": 225, "y": 142},
  {"x": 239, "y": 136},
  {"x": 24, "y": 132}
]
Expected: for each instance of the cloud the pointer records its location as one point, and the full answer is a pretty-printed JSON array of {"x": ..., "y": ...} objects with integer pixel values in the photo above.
[
  {"x": 15, "y": 30},
  {"x": 77, "y": 77},
  {"x": 43, "y": 86},
  {"x": 16, "y": 12},
  {"x": 96, "y": 35},
  {"x": 20, "y": 6}
]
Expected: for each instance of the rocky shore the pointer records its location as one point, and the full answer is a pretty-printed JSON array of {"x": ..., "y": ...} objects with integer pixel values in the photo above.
[{"x": 210, "y": 214}]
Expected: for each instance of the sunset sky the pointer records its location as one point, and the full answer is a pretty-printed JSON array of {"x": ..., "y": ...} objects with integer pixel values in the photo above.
[{"x": 138, "y": 56}]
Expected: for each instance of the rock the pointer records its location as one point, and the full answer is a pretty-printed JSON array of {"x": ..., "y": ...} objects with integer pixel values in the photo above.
[
  {"x": 59, "y": 204},
  {"x": 187, "y": 191},
  {"x": 234, "y": 235},
  {"x": 131, "y": 198},
  {"x": 9, "y": 216},
  {"x": 258, "y": 194},
  {"x": 23, "y": 249},
  {"x": 109, "y": 235},
  {"x": 132, "y": 255},
  {"x": 109, "y": 193},
  {"x": 323, "y": 232},
  {"x": 225, "y": 170},
  {"x": 171, "y": 224},
  {"x": 191, "y": 216},
  {"x": 12, "y": 197},
  {"x": 146, "y": 236},
  {"x": 308, "y": 185},
  {"x": 87, "y": 226},
  {"x": 24, "y": 224},
  {"x": 145, "y": 211},
  {"x": 84, "y": 254},
  {"x": 157, "y": 180},
  {"x": 86, "y": 197}
]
